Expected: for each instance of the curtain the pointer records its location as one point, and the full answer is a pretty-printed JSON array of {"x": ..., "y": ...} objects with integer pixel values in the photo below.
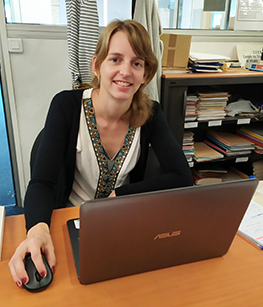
[
  {"x": 82, "y": 37},
  {"x": 146, "y": 12}
]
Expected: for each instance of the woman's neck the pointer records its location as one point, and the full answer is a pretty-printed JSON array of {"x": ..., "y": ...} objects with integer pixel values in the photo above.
[{"x": 109, "y": 109}]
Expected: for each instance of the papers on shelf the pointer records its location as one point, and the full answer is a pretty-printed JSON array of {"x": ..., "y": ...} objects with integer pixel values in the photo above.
[
  {"x": 207, "y": 57},
  {"x": 253, "y": 134},
  {"x": 230, "y": 141},
  {"x": 190, "y": 111},
  {"x": 258, "y": 171},
  {"x": 204, "y": 62},
  {"x": 205, "y": 153},
  {"x": 188, "y": 145},
  {"x": 211, "y": 105},
  {"x": 252, "y": 224}
]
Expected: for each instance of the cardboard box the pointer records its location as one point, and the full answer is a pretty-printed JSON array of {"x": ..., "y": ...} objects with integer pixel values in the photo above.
[{"x": 176, "y": 50}]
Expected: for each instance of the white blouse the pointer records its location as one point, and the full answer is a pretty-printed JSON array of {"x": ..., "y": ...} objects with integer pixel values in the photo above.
[{"x": 87, "y": 170}]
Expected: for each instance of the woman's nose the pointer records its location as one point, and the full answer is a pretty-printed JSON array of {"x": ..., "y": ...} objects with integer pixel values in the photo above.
[{"x": 125, "y": 69}]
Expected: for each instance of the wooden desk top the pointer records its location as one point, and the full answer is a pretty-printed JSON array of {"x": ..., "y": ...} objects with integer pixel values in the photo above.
[
  {"x": 235, "y": 279},
  {"x": 236, "y": 73}
]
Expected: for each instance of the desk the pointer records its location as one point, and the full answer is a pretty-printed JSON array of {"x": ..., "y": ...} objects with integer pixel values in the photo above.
[{"x": 232, "y": 280}]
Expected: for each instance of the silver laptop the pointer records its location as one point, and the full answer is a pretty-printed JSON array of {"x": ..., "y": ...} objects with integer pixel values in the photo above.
[{"x": 138, "y": 233}]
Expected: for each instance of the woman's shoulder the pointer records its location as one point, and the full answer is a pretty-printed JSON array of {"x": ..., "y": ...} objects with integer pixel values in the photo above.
[
  {"x": 66, "y": 95},
  {"x": 156, "y": 106}
]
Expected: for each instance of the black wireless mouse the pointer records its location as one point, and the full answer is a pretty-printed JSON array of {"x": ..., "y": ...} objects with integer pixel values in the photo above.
[{"x": 36, "y": 282}]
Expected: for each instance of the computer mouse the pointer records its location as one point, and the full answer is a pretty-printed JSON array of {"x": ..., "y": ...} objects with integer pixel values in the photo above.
[{"x": 36, "y": 282}]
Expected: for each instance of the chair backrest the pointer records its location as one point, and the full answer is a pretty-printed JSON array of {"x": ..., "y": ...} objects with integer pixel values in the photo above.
[{"x": 34, "y": 150}]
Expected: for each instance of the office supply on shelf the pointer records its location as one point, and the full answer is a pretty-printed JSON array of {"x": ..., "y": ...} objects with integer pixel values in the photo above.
[
  {"x": 211, "y": 105},
  {"x": 207, "y": 57},
  {"x": 252, "y": 224},
  {"x": 138, "y": 233},
  {"x": 188, "y": 145},
  {"x": 204, "y": 171},
  {"x": 258, "y": 169},
  {"x": 207, "y": 177},
  {"x": 205, "y": 180},
  {"x": 230, "y": 141},
  {"x": 2, "y": 224},
  {"x": 226, "y": 151},
  {"x": 254, "y": 135},
  {"x": 205, "y": 153},
  {"x": 248, "y": 54},
  {"x": 190, "y": 111},
  {"x": 202, "y": 62},
  {"x": 241, "y": 107}
]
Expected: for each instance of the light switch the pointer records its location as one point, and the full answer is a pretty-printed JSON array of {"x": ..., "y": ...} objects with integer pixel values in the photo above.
[{"x": 15, "y": 45}]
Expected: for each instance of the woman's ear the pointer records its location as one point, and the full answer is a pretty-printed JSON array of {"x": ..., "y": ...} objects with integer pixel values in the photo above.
[
  {"x": 94, "y": 66},
  {"x": 145, "y": 76}
]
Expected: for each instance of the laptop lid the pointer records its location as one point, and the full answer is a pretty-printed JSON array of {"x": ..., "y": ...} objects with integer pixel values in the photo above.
[{"x": 138, "y": 233}]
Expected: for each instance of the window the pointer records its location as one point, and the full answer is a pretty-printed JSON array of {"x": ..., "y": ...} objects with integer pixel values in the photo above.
[
  {"x": 7, "y": 194},
  {"x": 176, "y": 14},
  {"x": 53, "y": 12},
  {"x": 196, "y": 14}
]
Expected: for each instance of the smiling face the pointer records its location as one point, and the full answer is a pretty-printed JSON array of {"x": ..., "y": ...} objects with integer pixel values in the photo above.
[{"x": 122, "y": 72}]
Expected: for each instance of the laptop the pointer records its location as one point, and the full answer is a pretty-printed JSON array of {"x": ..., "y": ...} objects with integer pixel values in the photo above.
[{"x": 121, "y": 236}]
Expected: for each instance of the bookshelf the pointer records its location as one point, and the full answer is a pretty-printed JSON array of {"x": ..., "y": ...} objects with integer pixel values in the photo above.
[{"x": 239, "y": 83}]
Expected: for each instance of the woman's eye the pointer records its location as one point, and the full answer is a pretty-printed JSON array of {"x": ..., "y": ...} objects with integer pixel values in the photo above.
[
  {"x": 115, "y": 60},
  {"x": 138, "y": 64}
]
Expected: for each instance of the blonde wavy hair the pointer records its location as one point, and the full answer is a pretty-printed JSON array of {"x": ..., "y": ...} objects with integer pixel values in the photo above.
[{"x": 139, "y": 39}]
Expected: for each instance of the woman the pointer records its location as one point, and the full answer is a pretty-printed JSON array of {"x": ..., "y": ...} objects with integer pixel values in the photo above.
[{"x": 95, "y": 141}]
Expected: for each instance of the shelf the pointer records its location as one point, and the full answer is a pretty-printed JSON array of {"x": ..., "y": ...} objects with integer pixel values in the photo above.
[
  {"x": 243, "y": 84},
  {"x": 237, "y": 120},
  {"x": 234, "y": 159}
]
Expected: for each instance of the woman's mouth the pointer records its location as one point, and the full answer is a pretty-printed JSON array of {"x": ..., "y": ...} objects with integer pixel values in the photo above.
[{"x": 122, "y": 83}]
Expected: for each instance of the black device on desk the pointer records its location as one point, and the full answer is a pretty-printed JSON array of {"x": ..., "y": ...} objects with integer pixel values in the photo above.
[
  {"x": 36, "y": 282},
  {"x": 121, "y": 236}
]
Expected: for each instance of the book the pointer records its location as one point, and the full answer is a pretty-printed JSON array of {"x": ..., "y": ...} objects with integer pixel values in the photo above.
[
  {"x": 226, "y": 151},
  {"x": 209, "y": 171},
  {"x": 205, "y": 181},
  {"x": 205, "y": 153},
  {"x": 2, "y": 223},
  {"x": 218, "y": 175},
  {"x": 207, "y": 57},
  {"x": 230, "y": 141}
]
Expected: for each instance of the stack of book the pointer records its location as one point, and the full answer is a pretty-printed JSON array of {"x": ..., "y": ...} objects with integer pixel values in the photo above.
[
  {"x": 188, "y": 145},
  {"x": 204, "y": 153},
  {"x": 203, "y": 175},
  {"x": 258, "y": 169},
  {"x": 203, "y": 62},
  {"x": 211, "y": 106},
  {"x": 228, "y": 143},
  {"x": 207, "y": 175},
  {"x": 253, "y": 134},
  {"x": 190, "y": 111}
]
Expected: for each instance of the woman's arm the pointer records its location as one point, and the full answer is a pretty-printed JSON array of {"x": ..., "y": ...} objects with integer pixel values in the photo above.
[
  {"x": 57, "y": 142},
  {"x": 169, "y": 154},
  {"x": 38, "y": 241}
]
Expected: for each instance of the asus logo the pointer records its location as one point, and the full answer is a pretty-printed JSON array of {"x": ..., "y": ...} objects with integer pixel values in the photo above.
[{"x": 168, "y": 235}]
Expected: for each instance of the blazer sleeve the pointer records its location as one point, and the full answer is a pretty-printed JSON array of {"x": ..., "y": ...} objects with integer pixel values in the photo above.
[{"x": 56, "y": 146}]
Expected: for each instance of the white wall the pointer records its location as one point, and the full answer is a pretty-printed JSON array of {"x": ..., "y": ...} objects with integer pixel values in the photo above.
[{"x": 38, "y": 74}]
